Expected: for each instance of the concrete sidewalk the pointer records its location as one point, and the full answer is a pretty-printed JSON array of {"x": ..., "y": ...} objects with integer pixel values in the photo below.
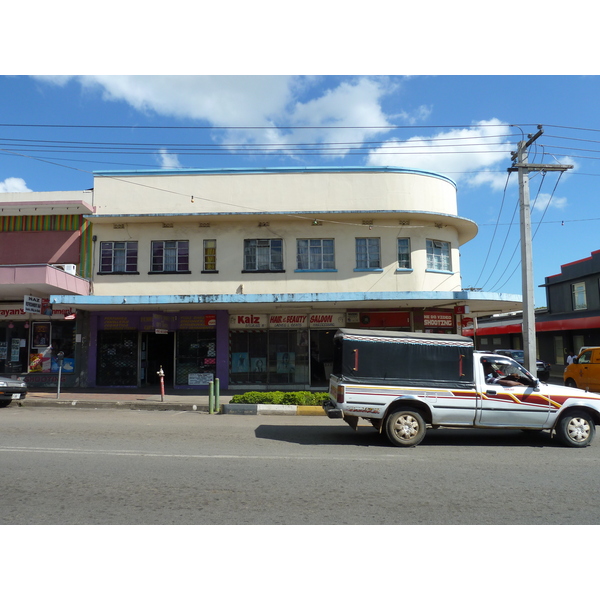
[{"x": 150, "y": 399}]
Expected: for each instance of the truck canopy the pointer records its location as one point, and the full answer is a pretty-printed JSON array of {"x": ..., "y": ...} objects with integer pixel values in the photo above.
[{"x": 403, "y": 358}]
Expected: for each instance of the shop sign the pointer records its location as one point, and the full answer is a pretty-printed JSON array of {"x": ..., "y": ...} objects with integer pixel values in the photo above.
[
  {"x": 200, "y": 378},
  {"x": 9, "y": 312},
  {"x": 118, "y": 322},
  {"x": 247, "y": 321},
  {"x": 32, "y": 304},
  {"x": 287, "y": 321},
  {"x": 327, "y": 320},
  {"x": 197, "y": 321},
  {"x": 373, "y": 320},
  {"x": 438, "y": 319}
]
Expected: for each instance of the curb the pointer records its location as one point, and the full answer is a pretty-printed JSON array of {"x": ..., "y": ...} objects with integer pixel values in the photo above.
[
  {"x": 94, "y": 404},
  {"x": 231, "y": 409},
  {"x": 272, "y": 409}
]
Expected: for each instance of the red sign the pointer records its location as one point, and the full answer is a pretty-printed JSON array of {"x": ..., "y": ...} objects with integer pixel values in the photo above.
[{"x": 385, "y": 319}]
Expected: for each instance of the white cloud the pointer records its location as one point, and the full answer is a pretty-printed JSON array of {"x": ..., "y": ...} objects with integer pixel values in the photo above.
[
  {"x": 259, "y": 101},
  {"x": 168, "y": 160},
  {"x": 467, "y": 154},
  {"x": 543, "y": 201},
  {"x": 13, "y": 184}
]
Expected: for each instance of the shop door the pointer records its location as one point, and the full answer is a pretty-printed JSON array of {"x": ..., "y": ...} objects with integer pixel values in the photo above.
[
  {"x": 321, "y": 357},
  {"x": 158, "y": 351}
]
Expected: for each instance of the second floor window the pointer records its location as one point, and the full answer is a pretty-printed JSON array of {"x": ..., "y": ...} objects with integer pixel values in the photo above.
[
  {"x": 263, "y": 255},
  {"x": 118, "y": 257},
  {"x": 368, "y": 253},
  {"x": 404, "y": 253},
  {"x": 170, "y": 256},
  {"x": 316, "y": 255},
  {"x": 579, "y": 298},
  {"x": 438, "y": 256},
  {"x": 210, "y": 255}
]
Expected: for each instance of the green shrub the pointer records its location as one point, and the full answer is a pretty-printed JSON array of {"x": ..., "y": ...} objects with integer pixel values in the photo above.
[{"x": 298, "y": 398}]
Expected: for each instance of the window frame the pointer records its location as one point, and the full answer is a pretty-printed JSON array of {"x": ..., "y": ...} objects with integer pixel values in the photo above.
[
  {"x": 408, "y": 260},
  {"x": 181, "y": 255},
  {"x": 435, "y": 261},
  {"x": 307, "y": 256},
  {"x": 206, "y": 256},
  {"x": 366, "y": 264},
  {"x": 129, "y": 251},
  {"x": 274, "y": 265},
  {"x": 582, "y": 291}
]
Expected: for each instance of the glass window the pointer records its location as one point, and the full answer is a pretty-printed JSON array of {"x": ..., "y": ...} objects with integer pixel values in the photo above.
[
  {"x": 368, "y": 255},
  {"x": 263, "y": 255},
  {"x": 579, "y": 298},
  {"x": 170, "y": 256},
  {"x": 404, "y": 253},
  {"x": 438, "y": 255},
  {"x": 316, "y": 254},
  {"x": 118, "y": 257},
  {"x": 210, "y": 255},
  {"x": 196, "y": 353}
]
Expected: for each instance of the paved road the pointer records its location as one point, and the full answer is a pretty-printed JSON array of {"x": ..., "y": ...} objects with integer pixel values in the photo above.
[{"x": 60, "y": 466}]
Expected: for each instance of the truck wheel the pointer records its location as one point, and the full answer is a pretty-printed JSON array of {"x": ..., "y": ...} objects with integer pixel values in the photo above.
[
  {"x": 576, "y": 429},
  {"x": 405, "y": 428},
  {"x": 4, "y": 402},
  {"x": 570, "y": 383}
]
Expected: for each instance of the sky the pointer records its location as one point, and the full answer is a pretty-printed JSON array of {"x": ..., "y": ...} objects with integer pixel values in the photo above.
[
  {"x": 57, "y": 130},
  {"x": 267, "y": 98}
]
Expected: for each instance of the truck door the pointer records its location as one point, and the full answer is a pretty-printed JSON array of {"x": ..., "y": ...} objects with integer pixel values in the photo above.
[{"x": 511, "y": 406}]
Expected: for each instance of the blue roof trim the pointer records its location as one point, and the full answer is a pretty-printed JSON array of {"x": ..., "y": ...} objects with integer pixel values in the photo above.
[
  {"x": 267, "y": 170},
  {"x": 278, "y": 298}
]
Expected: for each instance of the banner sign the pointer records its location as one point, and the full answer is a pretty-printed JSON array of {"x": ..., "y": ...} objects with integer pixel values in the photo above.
[{"x": 32, "y": 304}]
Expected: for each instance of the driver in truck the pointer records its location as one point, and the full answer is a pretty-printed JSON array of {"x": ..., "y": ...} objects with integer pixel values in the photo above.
[{"x": 492, "y": 376}]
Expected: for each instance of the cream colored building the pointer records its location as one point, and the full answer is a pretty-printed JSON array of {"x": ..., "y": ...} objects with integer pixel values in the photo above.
[{"x": 246, "y": 274}]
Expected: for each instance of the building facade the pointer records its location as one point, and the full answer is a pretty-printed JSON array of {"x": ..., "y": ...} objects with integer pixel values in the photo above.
[
  {"x": 245, "y": 275},
  {"x": 43, "y": 237},
  {"x": 570, "y": 320}
]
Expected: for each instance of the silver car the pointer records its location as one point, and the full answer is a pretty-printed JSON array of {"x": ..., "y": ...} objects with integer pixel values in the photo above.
[{"x": 11, "y": 389}]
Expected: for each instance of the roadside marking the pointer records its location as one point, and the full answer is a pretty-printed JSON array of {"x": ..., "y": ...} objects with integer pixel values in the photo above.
[{"x": 161, "y": 455}]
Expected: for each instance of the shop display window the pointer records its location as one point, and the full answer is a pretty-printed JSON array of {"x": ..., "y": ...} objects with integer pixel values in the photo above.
[{"x": 196, "y": 357}]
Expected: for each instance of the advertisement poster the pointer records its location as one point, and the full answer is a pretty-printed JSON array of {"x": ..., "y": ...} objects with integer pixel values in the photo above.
[
  {"x": 40, "y": 335},
  {"x": 36, "y": 362},
  {"x": 239, "y": 362},
  {"x": 286, "y": 362}
]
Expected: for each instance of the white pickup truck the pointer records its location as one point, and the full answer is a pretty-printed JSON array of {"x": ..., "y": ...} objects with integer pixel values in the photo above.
[{"x": 405, "y": 382}]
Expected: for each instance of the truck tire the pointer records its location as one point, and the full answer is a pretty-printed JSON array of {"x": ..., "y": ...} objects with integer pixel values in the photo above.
[
  {"x": 577, "y": 429},
  {"x": 405, "y": 428}
]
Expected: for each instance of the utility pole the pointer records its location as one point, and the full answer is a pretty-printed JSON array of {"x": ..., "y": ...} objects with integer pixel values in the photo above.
[{"x": 521, "y": 165}]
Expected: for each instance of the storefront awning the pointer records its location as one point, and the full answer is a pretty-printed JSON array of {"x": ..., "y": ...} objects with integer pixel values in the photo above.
[{"x": 479, "y": 303}]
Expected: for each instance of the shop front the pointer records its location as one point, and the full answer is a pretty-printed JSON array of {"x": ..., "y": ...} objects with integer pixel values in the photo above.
[
  {"x": 283, "y": 351},
  {"x": 129, "y": 348},
  {"x": 30, "y": 342}
]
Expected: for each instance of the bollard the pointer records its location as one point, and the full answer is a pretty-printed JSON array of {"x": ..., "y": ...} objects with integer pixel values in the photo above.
[
  {"x": 161, "y": 375},
  {"x": 211, "y": 397},
  {"x": 59, "y": 359},
  {"x": 217, "y": 394}
]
